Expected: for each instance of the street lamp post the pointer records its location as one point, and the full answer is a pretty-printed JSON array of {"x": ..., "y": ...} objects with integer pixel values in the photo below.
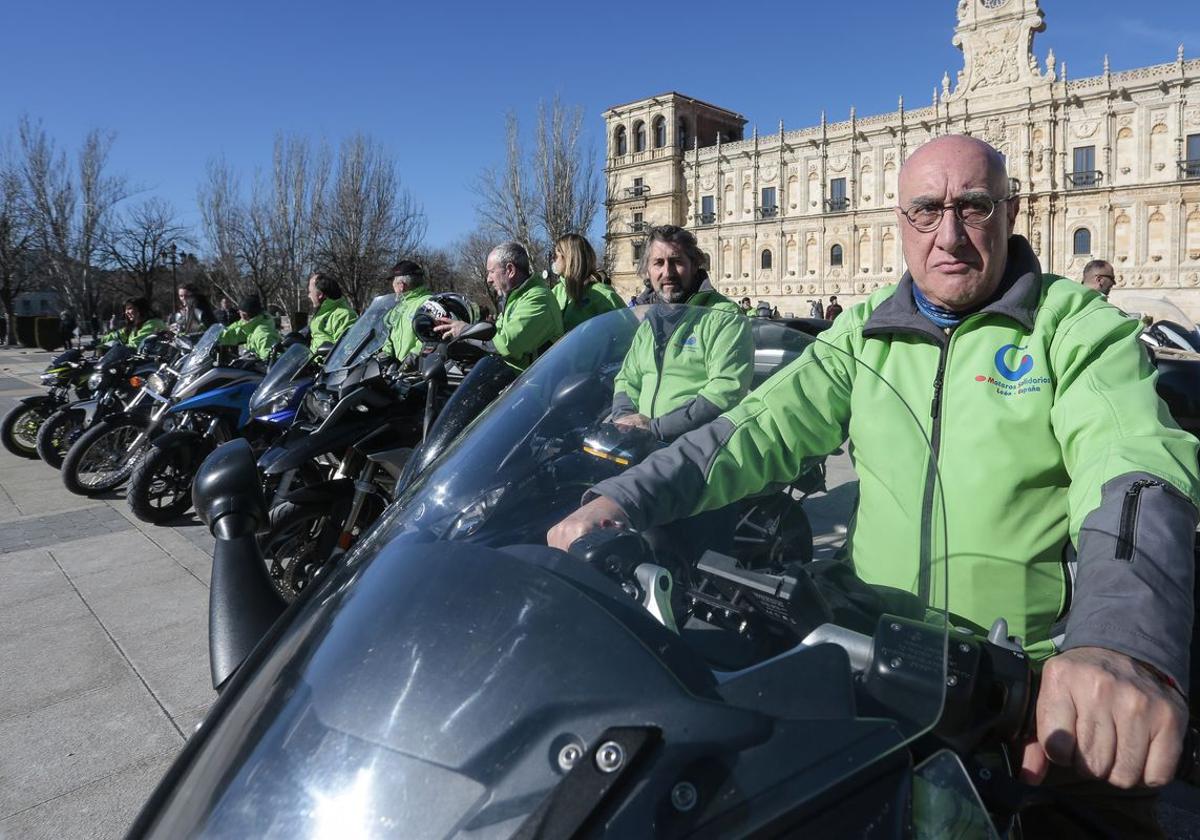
[{"x": 171, "y": 249}]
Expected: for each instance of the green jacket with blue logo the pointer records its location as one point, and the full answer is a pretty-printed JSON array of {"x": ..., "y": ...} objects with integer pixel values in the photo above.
[
  {"x": 530, "y": 322},
  {"x": 686, "y": 365},
  {"x": 332, "y": 319},
  {"x": 401, "y": 340},
  {"x": 258, "y": 334},
  {"x": 1034, "y": 426}
]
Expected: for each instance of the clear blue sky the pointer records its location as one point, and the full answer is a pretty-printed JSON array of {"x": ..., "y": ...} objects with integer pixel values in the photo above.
[{"x": 180, "y": 83}]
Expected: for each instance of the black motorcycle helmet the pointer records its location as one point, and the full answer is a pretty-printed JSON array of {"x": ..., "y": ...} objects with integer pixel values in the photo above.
[{"x": 442, "y": 305}]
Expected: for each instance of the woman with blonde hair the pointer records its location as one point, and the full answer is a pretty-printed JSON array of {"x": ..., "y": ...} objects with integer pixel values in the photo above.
[{"x": 578, "y": 293}]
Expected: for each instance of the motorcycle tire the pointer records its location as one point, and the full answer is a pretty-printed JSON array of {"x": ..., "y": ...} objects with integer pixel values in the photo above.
[
  {"x": 160, "y": 486},
  {"x": 92, "y": 465},
  {"x": 300, "y": 539},
  {"x": 19, "y": 430},
  {"x": 58, "y": 433}
]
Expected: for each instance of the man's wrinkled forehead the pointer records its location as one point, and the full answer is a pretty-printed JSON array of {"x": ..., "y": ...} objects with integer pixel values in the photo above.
[{"x": 948, "y": 169}]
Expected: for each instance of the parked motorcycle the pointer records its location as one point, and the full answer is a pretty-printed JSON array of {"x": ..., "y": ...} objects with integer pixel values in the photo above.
[
  {"x": 160, "y": 487},
  {"x": 104, "y": 457},
  {"x": 115, "y": 384},
  {"x": 65, "y": 377}
]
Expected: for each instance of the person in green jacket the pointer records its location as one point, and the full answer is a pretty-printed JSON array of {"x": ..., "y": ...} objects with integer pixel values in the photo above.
[
  {"x": 577, "y": 291},
  {"x": 530, "y": 319},
  {"x": 255, "y": 329},
  {"x": 332, "y": 315},
  {"x": 1049, "y": 440},
  {"x": 685, "y": 366},
  {"x": 408, "y": 282},
  {"x": 140, "y": 322}
]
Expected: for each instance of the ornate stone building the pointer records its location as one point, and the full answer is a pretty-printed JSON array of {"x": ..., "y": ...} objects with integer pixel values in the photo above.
[{"x": 1106, "y": 166}]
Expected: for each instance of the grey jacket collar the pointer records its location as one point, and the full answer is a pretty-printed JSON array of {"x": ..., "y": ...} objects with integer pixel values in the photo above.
[{"x": 1020, "y": 293}]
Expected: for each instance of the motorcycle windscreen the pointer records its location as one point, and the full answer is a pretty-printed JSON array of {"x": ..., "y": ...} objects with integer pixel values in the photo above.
[
  {"x": 200, "y": 354},
  {"x": 115, "y": 354},
  {"x": 365, "y": 337},
  {"x": 439, "y": 680},
  {"x": 281, "y": 377}
]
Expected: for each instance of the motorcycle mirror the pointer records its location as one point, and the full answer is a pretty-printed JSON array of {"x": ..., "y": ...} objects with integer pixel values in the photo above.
[
  {"x": 242, "y": 603},
  {"x": 480, "y": 331}
]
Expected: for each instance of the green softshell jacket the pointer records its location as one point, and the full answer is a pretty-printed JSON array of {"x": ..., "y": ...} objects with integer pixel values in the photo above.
[
  {"x": 258, "y": 334},
  {"x": 132, "y": 338},
  {"x": 332, "y": 319},
  {"x": 686, "y": 364},
  {"x": 530, "y": 322},
  {"x": 1049, "y": 439},
  {"x": 594, "y": 303},
  {"x": 401, "y": 339}
]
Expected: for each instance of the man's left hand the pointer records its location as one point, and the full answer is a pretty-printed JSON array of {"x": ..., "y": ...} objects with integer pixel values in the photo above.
[
  {"x": 1108, "y": 716},
  {"x": 448, "y": 328},
  {"x": 632, "y": 421}
]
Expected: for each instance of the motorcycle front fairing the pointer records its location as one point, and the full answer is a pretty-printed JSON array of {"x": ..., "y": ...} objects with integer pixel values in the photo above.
[{"x": 453, "y": 676}]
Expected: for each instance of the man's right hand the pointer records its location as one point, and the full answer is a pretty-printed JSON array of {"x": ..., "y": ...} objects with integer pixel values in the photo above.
[{"x": 600, "y": 512}]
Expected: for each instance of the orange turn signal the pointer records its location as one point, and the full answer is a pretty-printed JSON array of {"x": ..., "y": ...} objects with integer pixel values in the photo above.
[{"x": 136, "y": 381}]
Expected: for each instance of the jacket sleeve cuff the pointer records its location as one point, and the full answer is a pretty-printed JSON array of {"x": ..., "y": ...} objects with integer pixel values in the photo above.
[
  {"x": 1136, "y": 570},
  {"x": 692, "y": 415}
]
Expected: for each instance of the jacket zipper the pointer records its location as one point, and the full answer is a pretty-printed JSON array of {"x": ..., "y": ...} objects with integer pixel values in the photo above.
[
  {"x": 935, "y": 440},
  {"x": 1127, "y": 534},
  {"x": 660, "y": 352}
]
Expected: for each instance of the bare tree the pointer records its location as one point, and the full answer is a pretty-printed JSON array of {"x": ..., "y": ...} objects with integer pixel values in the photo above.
[
  {"x": 534, "y": 198},
  {"x": 70, "y": 211},
  {"x": 470, "y": 262},
  {"x": 16, "y": 244},
  {"x": 221, "y": 218},
  {"x": 138, "y": 245},
  {"x": 367, "y": 220},
  {"x": 298, "y": 185}
]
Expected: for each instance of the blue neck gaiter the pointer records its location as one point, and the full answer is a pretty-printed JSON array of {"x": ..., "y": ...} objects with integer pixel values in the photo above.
[{"x": 944, "y": 318}]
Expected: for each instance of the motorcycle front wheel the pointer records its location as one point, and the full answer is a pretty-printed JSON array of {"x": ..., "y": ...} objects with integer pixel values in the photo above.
[
  {"x": 301, "y": 538},
  {"x": 58, "y": 433},
  {"x": 100, "y": 460},
  {"x": 160, "y": 487},
  {"x": 19, "y": 430}
]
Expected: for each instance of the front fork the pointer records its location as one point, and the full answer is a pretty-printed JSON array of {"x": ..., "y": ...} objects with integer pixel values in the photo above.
[
  {"x": 363, "y": 486},
  {"x": 156, "y": 417}
]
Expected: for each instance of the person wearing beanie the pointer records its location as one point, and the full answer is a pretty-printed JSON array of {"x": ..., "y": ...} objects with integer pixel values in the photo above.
[
  {"x": 408, "y": 282},
  {"x": 332, "y": 315},
  {"x": 254, "y": 328}
]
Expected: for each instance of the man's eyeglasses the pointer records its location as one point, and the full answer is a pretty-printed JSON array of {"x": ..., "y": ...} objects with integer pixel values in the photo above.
[{"x": 972, "y": 211}]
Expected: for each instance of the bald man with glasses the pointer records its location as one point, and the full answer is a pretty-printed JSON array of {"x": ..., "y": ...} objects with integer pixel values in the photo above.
[
  {"x": 1037, "y": 481},
  {"x": 1099, "y": 275}
]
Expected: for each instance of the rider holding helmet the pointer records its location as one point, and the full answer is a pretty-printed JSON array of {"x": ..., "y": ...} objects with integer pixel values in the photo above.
[
  {"x": 408, "y": 282},
  {"x": 530, "y": 319}
]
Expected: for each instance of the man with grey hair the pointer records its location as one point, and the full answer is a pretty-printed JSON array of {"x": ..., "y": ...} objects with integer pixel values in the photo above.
[
  {"x": 1099, "y": 275},
  {"x": 530, "y": 318},
  {"x": 1049, "y": 442}
]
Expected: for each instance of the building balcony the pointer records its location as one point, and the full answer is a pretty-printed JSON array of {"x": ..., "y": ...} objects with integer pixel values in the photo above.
[
  {"x": 1189, "y": 169},
  {"x": 769, "y": 212},
  {"x": 1084, "y": 179},
  {"x": 837, "y": 205},
  {"x": 706, "y": 219},
  {"x": 637, "y": 192},
  {"x": 639, "y": 227}
]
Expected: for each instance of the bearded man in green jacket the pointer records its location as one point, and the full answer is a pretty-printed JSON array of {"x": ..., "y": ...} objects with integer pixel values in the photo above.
[
  {"x": 530, "y": 319},
  {"x": 332, "y": 315},
  {"x": 1047, "y": 434}
]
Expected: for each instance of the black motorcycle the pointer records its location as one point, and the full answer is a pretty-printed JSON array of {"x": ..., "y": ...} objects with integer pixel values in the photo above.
[
  {"x": 66, "y": 378},
  {"x": 115, "y": 384}
]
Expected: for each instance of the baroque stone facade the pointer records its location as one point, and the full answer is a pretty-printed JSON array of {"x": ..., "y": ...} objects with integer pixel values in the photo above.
[{"x": 1106, "y": 167}]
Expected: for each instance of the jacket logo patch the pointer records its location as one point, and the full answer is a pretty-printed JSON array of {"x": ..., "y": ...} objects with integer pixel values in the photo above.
[{"x": 1013, "y": 374}]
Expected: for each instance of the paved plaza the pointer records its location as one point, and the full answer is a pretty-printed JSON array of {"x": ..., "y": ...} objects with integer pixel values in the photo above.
[{"x": 103, "y": 645}]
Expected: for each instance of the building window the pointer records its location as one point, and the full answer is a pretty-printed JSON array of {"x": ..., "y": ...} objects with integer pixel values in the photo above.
[
  {"x": 639, "y": 223},
  {"x": 768, "y": 208},
  {"x": 837, "y": 196},
  {"x": 639, "y": 136},
  {"x": 1191, "y": 166},
  {"x": 1083, "y": 169},
  {"x": 639, "y": 247},
  {"x": 835, "y": 256},
  {"x": 639, "y": 187},
  {"x": 660, "y": 132},
  {"x": 765, "y": 261},
  {"x": 708, "y": 211},
  {"x": 621, "y": 142},
  {"x": 682, "y": 133},
  {"x": 1083, "y": 242}
]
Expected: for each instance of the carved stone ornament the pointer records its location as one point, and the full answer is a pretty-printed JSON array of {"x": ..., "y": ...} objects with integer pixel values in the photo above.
[
  {"x": 993, "y": 131},
  {"x": 1086, "y": 128},
  {"x": 1125, "y": 121},
  {"x": 768, "y": 173},
  {"x": 839, "y": 163},
  {"x": 1192, "y": 115},
  {"x": 1193, "y": 279},
  {"x": 997, "y": 61},
  {"x": 708, "y": 181}
]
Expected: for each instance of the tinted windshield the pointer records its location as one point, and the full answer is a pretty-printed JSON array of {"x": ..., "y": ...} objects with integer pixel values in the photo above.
[
  {"x": 431, "y": 681},
  {"x": 367, "y": 335},
  {"x": 203, "y": 349},
  {"x": 282, "y": 375},
  {"x": 115, "y": 354}
]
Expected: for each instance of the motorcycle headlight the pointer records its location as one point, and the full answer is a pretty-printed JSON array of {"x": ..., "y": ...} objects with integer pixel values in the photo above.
[
  {"x": 317, "y": 405},
  {"x": 95, "y": 379},
  {"x": 156, "y": 383},
  {"x": 475, "y": 514},
  {"x": 49, "y": 379}
]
